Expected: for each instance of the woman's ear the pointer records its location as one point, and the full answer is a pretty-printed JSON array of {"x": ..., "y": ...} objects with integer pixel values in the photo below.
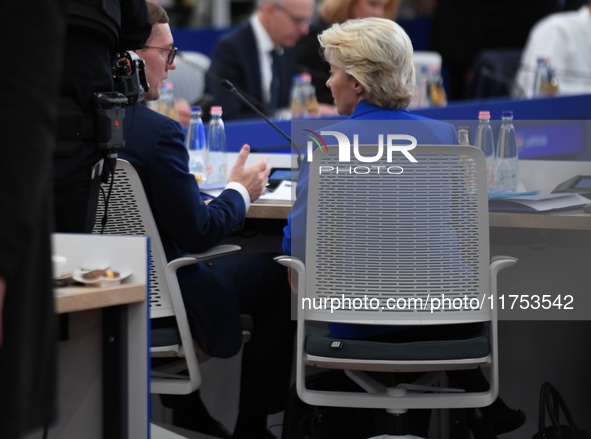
[{"x": 358, "y": 88}]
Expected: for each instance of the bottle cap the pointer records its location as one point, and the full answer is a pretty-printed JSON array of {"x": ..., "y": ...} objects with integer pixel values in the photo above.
[
  {"x": 216, "y": 109},
  {"x": 507, "y": 114},
  {"x": 484, "y": 115},
  {"x": 306, "y": 77},
  {"x": 196, "y": 109}
]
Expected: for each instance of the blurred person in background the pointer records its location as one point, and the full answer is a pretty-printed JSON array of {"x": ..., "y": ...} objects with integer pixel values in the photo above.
[
  {"x": 461, "y": 29},
  {"x": 565, "y": 39},
  {"x": 308, "y": 54},
  {"x": 246, "y": 57}
]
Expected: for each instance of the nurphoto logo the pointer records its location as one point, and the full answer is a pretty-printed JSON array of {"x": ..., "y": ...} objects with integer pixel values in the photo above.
[
  {"x": 394, "y": 143},
  {"x": 344, "y": 145}
]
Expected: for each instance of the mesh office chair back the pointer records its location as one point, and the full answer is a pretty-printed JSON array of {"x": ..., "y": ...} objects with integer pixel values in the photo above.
[
  {"x": 412, "y": 235},
  {"x": 129, "y": 214},
  {"x": 392, "y": 242}
]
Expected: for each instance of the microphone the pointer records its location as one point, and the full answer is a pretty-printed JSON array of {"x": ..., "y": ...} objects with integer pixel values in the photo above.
[
  {"x": 509, "y": 82},
  {"x": 231, "y": 88}
]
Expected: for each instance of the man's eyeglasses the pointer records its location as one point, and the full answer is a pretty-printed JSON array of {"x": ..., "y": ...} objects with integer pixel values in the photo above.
[
  {"x": 171, "y": 52},
  {"x": 298, "y": 21}
]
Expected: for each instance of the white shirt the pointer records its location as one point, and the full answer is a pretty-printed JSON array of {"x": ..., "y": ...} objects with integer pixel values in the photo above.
[
  {"x": 564, "y": 37},
  {"x": 242, "y": 191},
  {"x": 264, "y": 46}
]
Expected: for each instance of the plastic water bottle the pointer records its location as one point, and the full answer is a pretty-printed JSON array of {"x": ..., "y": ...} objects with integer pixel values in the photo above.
[
  {"x": 195, "y": 142},
  {"x": 420, "y": 97},
  {"x": 436, "y": 96},
  {"x": 311, "y": 106},
  {"x": 166, "y": 102},
  {"x": 298, "y": 102},
  {"x": 484, "y": 141},
  {"x": 507, "y": 175},
  {"x": 463, "y": 136},
  {"x": 217, "y": 162},
  {"x": 545, "y": 81},
  {"x": 303, "y": 97}
]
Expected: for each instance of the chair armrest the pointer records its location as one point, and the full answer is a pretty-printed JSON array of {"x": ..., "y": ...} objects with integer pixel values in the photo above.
[
  {"x": 212, "y": 253},
  {"x": 297, "y": 265},
  {"x": 291, "y": 262},
  {"x": 498, "y": 263}
]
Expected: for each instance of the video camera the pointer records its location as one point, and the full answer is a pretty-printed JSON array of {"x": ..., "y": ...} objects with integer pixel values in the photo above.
[
  {"x": 131, "y": 85},
  {"x": 129, "y": 74}
]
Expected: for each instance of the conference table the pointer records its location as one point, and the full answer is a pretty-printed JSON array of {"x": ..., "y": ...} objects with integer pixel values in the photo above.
[
  {"x": 82, "y": 298},
  {"x": 563, "y": 220}
]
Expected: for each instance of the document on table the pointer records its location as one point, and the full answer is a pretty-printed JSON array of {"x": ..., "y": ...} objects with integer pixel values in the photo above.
[{"x": 538, "y": 203}]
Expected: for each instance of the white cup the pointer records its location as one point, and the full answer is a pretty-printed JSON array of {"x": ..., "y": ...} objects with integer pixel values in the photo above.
[{"x": 59, "y": 263}]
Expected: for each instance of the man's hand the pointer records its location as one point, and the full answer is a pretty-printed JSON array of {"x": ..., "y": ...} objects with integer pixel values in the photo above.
[
  {"x": 2, "y": 293},
  {"x": 254, "y": 178}
]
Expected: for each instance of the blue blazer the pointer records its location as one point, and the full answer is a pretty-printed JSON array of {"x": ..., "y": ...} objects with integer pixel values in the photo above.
[
  {"x": 155, "y": 147},
  {"x": 236, "y": 59},
  {"x": 426, "y": 131}
]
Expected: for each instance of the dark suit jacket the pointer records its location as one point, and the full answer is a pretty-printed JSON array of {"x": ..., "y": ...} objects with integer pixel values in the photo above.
[
  {"x": 155, "y": 147},
  {"x": 236, "y": 59}
]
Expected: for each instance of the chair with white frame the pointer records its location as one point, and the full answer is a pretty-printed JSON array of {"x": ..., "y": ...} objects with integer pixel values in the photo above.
[
  {"x": 418, "y": 237},
  {"x": 175, "y": 355}
]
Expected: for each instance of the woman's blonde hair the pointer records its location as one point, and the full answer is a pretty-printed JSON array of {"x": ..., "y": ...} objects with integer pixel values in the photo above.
[
  {"x": 338, "y": 11},
  {"x": 377, "y": 52}
]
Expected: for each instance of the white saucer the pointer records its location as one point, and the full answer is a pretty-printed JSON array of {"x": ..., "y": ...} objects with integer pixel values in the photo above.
[{"x": 101, "y": 281}]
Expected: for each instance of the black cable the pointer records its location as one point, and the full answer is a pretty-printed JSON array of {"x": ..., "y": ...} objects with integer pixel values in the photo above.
[{"x": 106, "y": 200}]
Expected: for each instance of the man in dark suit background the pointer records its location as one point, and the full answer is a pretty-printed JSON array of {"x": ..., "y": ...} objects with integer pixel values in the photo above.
[
  {"x": 244, "y": 57},
  {"x": 214, "y": 293}
]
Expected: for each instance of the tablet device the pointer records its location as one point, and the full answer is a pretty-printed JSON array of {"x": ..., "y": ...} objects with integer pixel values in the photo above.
[{"x": 277, "y": 175}]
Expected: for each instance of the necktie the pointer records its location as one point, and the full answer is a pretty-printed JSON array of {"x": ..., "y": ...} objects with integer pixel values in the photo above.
[{"x": 276, "y": 74}]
